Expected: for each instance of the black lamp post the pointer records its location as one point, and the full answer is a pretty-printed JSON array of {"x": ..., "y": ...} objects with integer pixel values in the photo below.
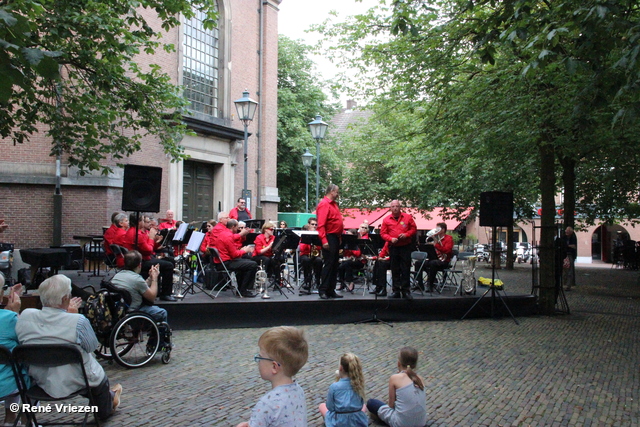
[
  {"x": 307, "y": 158},
  {"x": 246, "y": 108},
  {"x": 318, "y": 128}
]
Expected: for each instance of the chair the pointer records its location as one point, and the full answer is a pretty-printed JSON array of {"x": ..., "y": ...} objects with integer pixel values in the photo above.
[
  {"x": 50, "y": 356},
  {"x": 7, "y": 359},
  {"x": 228, "y": 278},
  {"x": 450, "y": 277},
  {"x": 118, "y": 256},
  {"x": 420, "y": 259}
]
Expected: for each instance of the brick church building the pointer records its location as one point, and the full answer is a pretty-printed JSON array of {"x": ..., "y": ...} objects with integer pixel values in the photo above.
[{"x": 195, "y": 189}]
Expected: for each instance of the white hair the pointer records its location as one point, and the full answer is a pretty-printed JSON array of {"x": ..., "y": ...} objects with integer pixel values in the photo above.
[
  {"x": 222, "y": 214},
  {"x": 54, "y": 289}
]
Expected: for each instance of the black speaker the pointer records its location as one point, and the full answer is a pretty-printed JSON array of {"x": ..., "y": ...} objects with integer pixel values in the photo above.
[
  {"x": 496, "y": 209},
  {"x": 141, "y": 188}
]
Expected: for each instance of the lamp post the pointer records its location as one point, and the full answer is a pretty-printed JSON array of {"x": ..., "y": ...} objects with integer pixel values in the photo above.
[
  {"x": 318, "y": 128},
  {"x": 307, "y": 158},
  {"x": 246, "y": 108}
]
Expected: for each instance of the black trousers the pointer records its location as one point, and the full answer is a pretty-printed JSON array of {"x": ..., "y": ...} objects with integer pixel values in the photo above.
[
  {"x": 311, "y": 267},
  {"x": 331, "y": 258},
  {"x": 245, "y": 270},
  {"x": 380, "y": 274},
  {"x": 434, "y": 266},
  {"x": 400, "y": 257}
]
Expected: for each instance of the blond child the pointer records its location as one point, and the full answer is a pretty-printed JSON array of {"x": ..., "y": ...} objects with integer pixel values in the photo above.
[
  {"x": 283, "y": 352},
  {"x": 345, "y": 400},
  {"x": 407, "y": 401}
]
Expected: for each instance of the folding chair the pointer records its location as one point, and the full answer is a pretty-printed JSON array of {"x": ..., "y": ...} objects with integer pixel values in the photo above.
[
  {"x": 118, "y": 256},
  {"x": 50, "y": 356},
  {"x": 229, "y": 278},
  {"x": 7, "y": 359},
  {"x": 420, "y": 259},
  {"x": 450, "y": 277}
]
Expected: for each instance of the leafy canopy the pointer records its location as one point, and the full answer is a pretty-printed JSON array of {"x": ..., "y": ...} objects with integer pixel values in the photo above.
[{"x": 71, "y": 65}]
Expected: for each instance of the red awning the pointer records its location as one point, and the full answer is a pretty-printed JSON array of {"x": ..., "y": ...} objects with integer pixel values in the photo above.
[{"x": 354, "y": 217}]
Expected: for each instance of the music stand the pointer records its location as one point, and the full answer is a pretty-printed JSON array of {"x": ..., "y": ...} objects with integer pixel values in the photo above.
[
  {"x": 308, "y": 238},
  {"x": 167, "y": 236},
  {"x": 250, "y": 238},
  {"x": 374, "y": 318},
  {"x": 255, "y": 224},
  {"x": 287, "y": 240},
  {"x": 193, "y": 246}
]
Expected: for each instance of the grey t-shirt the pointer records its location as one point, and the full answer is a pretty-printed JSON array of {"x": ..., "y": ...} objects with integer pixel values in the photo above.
[
  {"x": 283, "y": 406},
  {"x": 132, "y": 282}
]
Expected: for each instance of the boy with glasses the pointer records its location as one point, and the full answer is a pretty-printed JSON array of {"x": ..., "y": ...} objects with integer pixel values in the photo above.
[{"x": 283, "y": 352}]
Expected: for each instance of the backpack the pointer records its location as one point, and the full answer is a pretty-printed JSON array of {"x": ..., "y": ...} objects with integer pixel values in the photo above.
[{"x": 104, "y": 309}]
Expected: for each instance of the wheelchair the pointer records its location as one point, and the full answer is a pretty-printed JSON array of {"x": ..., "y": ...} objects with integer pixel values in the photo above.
[{"x": 135, "y": 338}]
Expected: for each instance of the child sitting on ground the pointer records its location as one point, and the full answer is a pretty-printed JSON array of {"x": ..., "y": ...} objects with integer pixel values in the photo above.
[
  {"x": 345, "y": 401},
  {"x": 283, "y": 352},
  {"x": 407, "y": 401}
]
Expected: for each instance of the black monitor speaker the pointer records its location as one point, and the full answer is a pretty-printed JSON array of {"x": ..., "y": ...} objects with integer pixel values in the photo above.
[
  {"x": 141, "y": 188},
  {"x": 496, "y": 209}
]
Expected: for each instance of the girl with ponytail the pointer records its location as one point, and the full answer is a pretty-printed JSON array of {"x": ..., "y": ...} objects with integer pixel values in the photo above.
[
  {"x": 345, "y": 400},
  {"x": 407, "y": 400}
]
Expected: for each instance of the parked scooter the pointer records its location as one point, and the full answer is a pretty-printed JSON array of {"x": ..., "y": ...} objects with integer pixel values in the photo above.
[
  {"x": 523, "y": 252},
  {"x": 482, "y": 253}
]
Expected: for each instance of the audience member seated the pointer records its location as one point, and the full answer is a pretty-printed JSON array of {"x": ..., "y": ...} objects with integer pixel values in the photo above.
[
  {"x": 310, "y": 259},
  {"x": 351, "y": 262},
  {"x": 282, "y": 224},
  {"x": 263, "y": 253},
  {"x": 380, "y": 268},
  {"x": 231, "y": 256},
  {"x": 59, "y": 323},
  {"x": 9, "y": 339},
  {"x": 240, "y": 212},
  {"x": 146, "y": 244},
  {"x": 143, "y": 292}
]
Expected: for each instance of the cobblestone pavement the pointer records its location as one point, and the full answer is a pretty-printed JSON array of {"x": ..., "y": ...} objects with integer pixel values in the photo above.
[{"x": 567, "y": 370}]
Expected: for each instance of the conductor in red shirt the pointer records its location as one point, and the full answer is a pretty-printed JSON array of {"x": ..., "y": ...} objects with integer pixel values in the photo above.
[
  {"x": 330, "y": 228},
  {"x": 398, "y": 229}
]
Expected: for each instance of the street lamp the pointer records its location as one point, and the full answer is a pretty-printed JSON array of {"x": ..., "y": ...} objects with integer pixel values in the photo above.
[
  {"x": 307, "y": 158},
  {"x": 318, "y": 129},
  {"x": 246, "y": 108}
]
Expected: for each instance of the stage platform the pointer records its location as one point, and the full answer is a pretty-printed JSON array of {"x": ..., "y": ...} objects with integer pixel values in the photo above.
[{"x": 199, "y": 311}]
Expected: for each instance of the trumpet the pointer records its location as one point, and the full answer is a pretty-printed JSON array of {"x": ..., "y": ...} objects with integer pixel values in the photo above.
[
  {"x": 315, "y": 251},
  {"x": 433, "y": 235}
]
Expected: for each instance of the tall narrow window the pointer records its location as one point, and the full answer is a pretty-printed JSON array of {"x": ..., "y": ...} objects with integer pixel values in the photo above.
[{"x": 200, "y": 68}]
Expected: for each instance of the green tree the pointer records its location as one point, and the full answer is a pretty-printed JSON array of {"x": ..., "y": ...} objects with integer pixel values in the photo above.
[
  {"x": 300, "y": 98},
  {"x": 71, "y": 66},
  {"x": 503, "y": 92}
]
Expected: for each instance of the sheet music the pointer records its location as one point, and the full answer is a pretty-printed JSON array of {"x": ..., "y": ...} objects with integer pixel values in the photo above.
[
  {"x": 181, "y": 232},
  {"x": 308, "y": 233},
  {"x": 195, "y": 241}
]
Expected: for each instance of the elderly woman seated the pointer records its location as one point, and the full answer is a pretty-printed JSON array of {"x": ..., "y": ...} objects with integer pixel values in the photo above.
[{"x": 59, "y": 322}]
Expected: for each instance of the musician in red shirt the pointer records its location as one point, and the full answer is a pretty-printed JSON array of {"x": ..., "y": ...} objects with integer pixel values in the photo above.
[
  {"x": 330, "y": 229},
  {"x": 310, "y": 258},
  {"x": 444, "y": 248},
  {"x": 380, "y": 268},
  {"x": 168, "y": 222},
  {"x": 232, "y": 257},
  {"x": 263, "y": 254},
  {"x": 398, "y": 229},
  {"x": 146, "y": 245},
  {"x": 119, "y": 226}
]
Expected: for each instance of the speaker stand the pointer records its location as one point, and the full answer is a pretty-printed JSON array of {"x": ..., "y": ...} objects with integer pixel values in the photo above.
[{"x": 492, "y": 288}]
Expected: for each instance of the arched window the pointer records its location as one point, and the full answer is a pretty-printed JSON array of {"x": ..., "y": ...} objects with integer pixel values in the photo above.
[{"x": 201, "y": 69}]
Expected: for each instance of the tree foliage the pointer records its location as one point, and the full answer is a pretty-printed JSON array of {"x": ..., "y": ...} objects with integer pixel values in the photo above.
[
  {"x": 71, "y": 66},
  {"x": 300, "y": 98}
]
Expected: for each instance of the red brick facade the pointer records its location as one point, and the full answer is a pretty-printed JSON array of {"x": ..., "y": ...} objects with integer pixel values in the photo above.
[{"x": 27, "y": 172}]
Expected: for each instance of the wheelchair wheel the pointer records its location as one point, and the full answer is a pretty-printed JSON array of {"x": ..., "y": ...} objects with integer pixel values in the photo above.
[
  {"x": 135, "y": 340},
  {"x": 103, "y": 351}
]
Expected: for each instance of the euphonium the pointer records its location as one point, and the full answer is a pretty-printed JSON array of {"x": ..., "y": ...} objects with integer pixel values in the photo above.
[
  {"x": 433, "y": 235},
  {"x": 260, "y": 282}
]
